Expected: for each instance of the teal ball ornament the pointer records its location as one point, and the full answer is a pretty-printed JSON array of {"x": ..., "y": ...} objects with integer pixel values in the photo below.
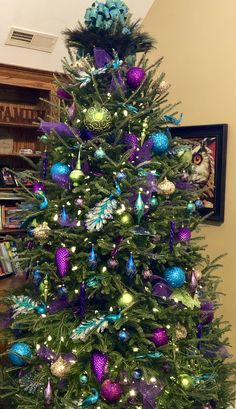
[
  {"x": 19, "y": 353},
  {"x": 174, "y": 276},
  {"x": 83, "y": 379},
  {"x": 99, "y": 154},
  {"x": 160, "y": 142},
  {"x": 191, "y": 207},
  {"x": 98, "y": 119},
  {"x": 41, "y": 309},
  {"x": 153, "y": 203}
]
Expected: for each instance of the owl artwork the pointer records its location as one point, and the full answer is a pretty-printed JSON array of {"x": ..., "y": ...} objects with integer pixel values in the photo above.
[{"x": 203, "y": 169}]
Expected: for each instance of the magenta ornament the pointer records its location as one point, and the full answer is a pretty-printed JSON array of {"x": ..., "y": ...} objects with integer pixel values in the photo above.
[
  {"x": 48, "y": 393},
  {"x": 99, "y": 364},
  {"x": 135, "y": 77},
  {"x": 38, "y": 186},
  {"x": 111, "y": 391},
  {"x": 159, "y": 337},
  {"x": 62, "y": 261},
  {"x": 184, "y": 234}
]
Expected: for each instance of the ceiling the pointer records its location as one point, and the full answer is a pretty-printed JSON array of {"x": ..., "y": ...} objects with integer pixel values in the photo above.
[{"x": 48, "y": 16}]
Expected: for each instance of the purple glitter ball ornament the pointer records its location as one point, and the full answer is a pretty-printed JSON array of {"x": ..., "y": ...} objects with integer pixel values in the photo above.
[
  {"x": 99, "y": 364},
  {"x": 207, "y": 313},
  {"x": 135, "y": 77},
  {"x": 112, "y": 263},
  {"x": 62, "y": 261},
  {"x": 184, "y": 234},
  {"x": 111, "y": 391},
  {"x": 38, "y": 186},
  {"x": 159, "y": 337}
]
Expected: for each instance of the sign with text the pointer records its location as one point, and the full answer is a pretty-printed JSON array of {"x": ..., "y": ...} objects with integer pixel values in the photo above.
[{"x": 18, "y": 114}]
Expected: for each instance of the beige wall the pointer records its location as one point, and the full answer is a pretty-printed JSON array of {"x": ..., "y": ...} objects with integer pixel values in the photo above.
[{"x": 198, "y": 40}]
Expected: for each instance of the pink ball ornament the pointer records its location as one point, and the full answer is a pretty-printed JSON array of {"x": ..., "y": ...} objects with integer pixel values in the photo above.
[
  {"x": 184, "y": 234},
  {"x": 135, "y": 77},
  {"x": 111, "y": 391},
  {"x": 159, "y": 337}
]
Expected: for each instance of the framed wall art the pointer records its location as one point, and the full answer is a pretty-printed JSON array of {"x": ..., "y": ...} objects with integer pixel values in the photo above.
[{"x": 208, "y": 144}]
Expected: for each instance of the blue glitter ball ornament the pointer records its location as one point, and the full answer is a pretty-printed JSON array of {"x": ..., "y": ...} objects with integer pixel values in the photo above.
[
  {"x": 175, "y": 276},
  {"x": 99, "y": 154},
  {"x": 198, "y": 204},
  {"x": 83, "y": 379},
  {"x": 59, "y": 171},
  {"x": 18, "y": 352},
  {"x": 160, "y": 142},
  {"x": 123, "y": 335},
  {"x": 137, "y": 374},
  {"x": 41, "y": 309}
]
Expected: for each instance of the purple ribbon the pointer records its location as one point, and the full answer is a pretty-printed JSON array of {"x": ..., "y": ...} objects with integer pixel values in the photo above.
[
  {"x": 59, "y": 127},
  {"x": 102, "y": 58},
  {"x": 137, "y": 153},
  {"x": 149, "y": 392},
  {"x": 82, "y": 300}
]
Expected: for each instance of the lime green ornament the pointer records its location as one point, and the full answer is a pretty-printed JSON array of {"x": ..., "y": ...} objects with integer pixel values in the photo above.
[
  {"x": 185, "y": 381},
  {"x": 126, "y": 299},
  {"x": 185, "y": 156},
  {"x": 77, "y": 174},
  {"x": 126, "y": 219},
  {"x": 98, "y": 119}
]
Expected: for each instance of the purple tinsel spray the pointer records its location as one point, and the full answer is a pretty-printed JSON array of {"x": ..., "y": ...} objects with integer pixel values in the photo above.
[
  {"x": 82, "y": 300},
  {"x": 62, "y": 261},
  {"x": 172, "y": 235}
]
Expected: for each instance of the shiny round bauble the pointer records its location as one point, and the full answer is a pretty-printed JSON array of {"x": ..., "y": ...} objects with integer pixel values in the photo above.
[
  {"x": 99, "y": 154},
  {"x": 19, "y": 353},
  {"x": 191, "y": 207},
  {"x": 112, "y": 263},
  {"x": 153, "y": 203},
  {"x": 163, "y": 87},
  {"x": 83, "y": 378},
  {"x": 159, "y": 337},
  {"x": 60, "y": 368},
  {"x": 79, "y": 202},
  {"x": 76, "y": 176},
  {"x": 185, "y": 156},
  {"x": 42, "y": 231},
  {"x": 59, "y": 170},
  {"x": 166, "y": 187},
  {"x": 125, "y": 299},
  {"x": 98, "y": 119},
  {"x": 135, "y": 77},
  {"x": 180, "y": 331},
  {"x": 184, "y": 234},
  {"x": 38, "y": 186},
  {"x": 126, "y": 219},
  {"x": 123, "y": 335},
  {"x": 174, "y": 276},
  {"x": 62, "y": 290},
  {"x": 44, "y": 138},
  {"x": 120, "y": 176},
  {"x": 185, "y": 381},
  {"x": 160, "y": 142},
  {"x": 137, "y": 374},
  {"x": 41, "y": 309},
  {"x": 198, "y": 204},
  {"x": 111, "y": 391}
]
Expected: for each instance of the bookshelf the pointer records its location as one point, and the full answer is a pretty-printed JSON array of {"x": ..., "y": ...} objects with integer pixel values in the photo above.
[{"x": 23, "y": 92}]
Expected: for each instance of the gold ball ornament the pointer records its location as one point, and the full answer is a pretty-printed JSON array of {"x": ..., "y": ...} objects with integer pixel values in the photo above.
[
  {"x": 126, "y": 299},
  {"x": 98, "y": 119},
  {"x": 60, "y": 368},
  {"x": 126, "y": 219},
  {"x": 42, "y": 231},
  {"x": 180, "y": 331},
  {"x": 185, "y": 381},
  {"x": 166, "y": 187}
]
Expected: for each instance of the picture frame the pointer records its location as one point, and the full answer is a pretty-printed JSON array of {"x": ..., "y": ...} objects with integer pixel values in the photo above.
[
  {"x": 7, "y": 178},
  {"x": 210, "y": 142}
]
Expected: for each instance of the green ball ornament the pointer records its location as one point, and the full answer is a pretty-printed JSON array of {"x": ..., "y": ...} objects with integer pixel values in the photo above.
[
  {"x": 98, "y": 119},
  {"x": 153, "y": 202},
  {"x": 83, "y": 379},
  {"x": 126, "y": 219},
  {"x": 75, "y": 176},
  {"x": 185, "y": 381},
  {"x": 125, "y": 299},
  {"x": 99, "y": 154}
]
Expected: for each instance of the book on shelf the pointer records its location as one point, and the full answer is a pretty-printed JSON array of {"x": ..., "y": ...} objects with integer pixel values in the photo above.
[
  {"x": 9, "y": 262},
  {"x": 11, "y": 217}
]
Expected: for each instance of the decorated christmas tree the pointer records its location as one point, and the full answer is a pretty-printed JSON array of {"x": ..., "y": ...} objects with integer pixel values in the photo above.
[{"x": 119, "y": 306}]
